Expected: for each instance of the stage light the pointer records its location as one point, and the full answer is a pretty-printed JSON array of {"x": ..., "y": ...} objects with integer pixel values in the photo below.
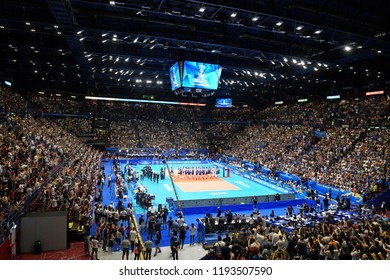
[
  {"x": 202, "y": 9},
  {"x": 255, "y": 18},
  {"x": 279, "y": 23},
  {"x": 234, "y": 14},
  {"x": 347, "y": 48},
  {"x": 379, "y": 92},
  {"x": 300, "y": 27}
]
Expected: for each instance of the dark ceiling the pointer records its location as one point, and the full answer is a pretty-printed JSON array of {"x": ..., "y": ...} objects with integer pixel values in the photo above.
[{"x": 268, "y": 49}]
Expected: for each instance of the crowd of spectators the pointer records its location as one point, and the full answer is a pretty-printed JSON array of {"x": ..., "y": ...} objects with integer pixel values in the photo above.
[
  {"x": 233, "y": 114},
  {"x": 352, "y": 113},
  {"x": 30, "y": 152},
  {"x": 363, "y": 238},
  {"x": 347, "y": 158},
  {"x": 156, "y": 134},
  {"x": 285, "y": 142},
  {"x": 11, "y": 102},
  {"x": 349, "y": 112},
  {"x": 220, "y": 133},
  {"x": 40, "y": 158},
  {"x": 188, "y": 135},
  {"x": 52, "y": 103},
  {"x": 126, "y": 111},
  {"x": 124, "y": 134},
  {"x": 365, "y": 164},
  {"x": 175, "y": 113},
  {"x": 352, "y": 157},
  {"x": 75, "y": 126}
]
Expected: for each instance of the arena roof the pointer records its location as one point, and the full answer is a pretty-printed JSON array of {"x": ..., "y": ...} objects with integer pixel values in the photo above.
[{"x": 268, "y": 49}]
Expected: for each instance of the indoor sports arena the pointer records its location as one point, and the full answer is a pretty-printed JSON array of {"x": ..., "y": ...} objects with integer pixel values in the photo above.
[{"x": 194, "y": 130}]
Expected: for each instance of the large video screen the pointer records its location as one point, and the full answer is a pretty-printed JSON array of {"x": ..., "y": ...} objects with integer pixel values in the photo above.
[
  {"x": 174, "y": 73},
  {"x": 201, "y": 75},
  {"x": 223, "y": 103}
]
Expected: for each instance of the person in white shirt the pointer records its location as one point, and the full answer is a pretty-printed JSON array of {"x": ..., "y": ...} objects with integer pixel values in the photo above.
[
  {"x": 281, "y": 243},
  {"x": 132, "y": 238},
  {"x": 151, "y": 209},
  {"x": 180, "y": 221},
  {"x": 218, "y": 246},
  {"x": 95, "y": 247}
]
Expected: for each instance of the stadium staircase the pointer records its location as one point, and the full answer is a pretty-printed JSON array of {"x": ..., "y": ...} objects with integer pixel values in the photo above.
[
  {"x": 136, "y": 129},
  {"x": 101, "y": 130}
]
